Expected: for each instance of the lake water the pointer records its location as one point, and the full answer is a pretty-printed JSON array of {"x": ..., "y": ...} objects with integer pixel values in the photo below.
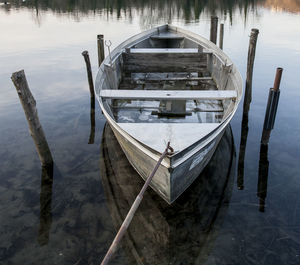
[{"x": 251, "y": 217}]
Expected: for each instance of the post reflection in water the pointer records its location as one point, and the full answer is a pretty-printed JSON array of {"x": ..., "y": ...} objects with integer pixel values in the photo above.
[
  {"x": 243, "y": 143},
  {"x": 92, "y": 117},
  {"x": 181, "y": 233},
  {"x": 263, "y": 172},
  {"x": 45, "y": 204}
]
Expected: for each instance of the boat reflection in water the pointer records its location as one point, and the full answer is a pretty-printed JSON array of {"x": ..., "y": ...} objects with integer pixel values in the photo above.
[{"x": 181, "y": 233}]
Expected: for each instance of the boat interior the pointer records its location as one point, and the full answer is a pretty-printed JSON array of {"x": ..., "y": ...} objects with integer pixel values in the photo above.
[
  {"x": 169, "y": 79},
  {"x": 178, "y": 80}
]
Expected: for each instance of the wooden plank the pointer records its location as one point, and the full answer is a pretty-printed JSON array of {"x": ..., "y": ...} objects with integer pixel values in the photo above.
[
  {"x": 163, "y": 50},
  {"x": 168, "y": 94},
  {"x": 169, "y": 76},
  {"x": 165, "y": 62},
  {"x": 167, "y": 36},
  {"x": 175, "y": 81},
  {"x": 204, "y": 80},
  {"x": 148, "y": 77},
  {"x": 174, "y": 85}
]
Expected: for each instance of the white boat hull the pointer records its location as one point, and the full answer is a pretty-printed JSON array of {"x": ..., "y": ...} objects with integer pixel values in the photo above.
[{"x": 169, "y": 182}]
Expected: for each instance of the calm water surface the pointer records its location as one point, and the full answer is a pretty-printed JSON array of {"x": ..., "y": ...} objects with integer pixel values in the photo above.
[{"x": 69, "y": 214}]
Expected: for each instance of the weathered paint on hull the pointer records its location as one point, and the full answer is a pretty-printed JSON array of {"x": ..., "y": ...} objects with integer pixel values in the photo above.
[
  {"x": 144, "y": 165},
  {"x": 169, "y": 183},
  {"x": 185, "y": 174}
]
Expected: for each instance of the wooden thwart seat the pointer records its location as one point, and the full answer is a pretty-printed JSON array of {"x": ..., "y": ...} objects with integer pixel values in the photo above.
[
  {"x": 168, "y": 94},
  {"x": 167, "y": 37},
  {"x": 163, "y": 50},
  {"x": 164, "y": 60},
  {"x": 160, "y": 77}
]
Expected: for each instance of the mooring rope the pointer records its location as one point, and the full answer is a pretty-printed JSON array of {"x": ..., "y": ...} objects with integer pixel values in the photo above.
[{"x": 113, "y": 247}]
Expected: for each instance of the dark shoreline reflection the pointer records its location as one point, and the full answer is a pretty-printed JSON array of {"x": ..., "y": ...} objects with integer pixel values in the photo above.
[
  {"x": 151, "y": 10},
  {"x": 183, "y": 233},
  {"x": 45, "y": 204}
]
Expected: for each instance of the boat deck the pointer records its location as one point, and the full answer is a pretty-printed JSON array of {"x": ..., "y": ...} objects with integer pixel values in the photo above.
[{"x": 141, "y": 111}]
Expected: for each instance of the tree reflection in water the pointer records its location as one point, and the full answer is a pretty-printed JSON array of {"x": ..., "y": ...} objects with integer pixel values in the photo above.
[{"x": 150, "y": 11}]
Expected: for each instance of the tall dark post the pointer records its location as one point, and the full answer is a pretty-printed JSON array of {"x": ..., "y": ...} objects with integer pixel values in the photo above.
[
  {"x": 250, "y": 64},
  {"x": 213, "y": 29},
  {"x": 85, "y": 54},
  {"x": 270, "y": 117},
  {"x": 221, "y": 38},
  {"x": 100, "y": 44},
  {"x": 247, "y": 102},
  {"x": 29, "y": 106},
  {"x": 271, "y": 110}
]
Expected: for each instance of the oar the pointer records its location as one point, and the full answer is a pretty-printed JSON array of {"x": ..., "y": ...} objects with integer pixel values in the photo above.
[{"x": 134, "y": 207}]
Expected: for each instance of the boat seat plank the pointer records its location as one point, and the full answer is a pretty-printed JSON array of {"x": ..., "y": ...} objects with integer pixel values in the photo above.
[
  {"x": 167, "y": 77},
  {"x": 168, "y": 94},
  {"x": 166, "y": 36},
  {"x": 165, "y": 62},
  {"x": 163, "y": 50}
]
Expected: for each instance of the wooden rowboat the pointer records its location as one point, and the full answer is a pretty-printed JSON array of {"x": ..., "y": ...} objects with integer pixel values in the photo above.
[{"x": 168, "y": 84}]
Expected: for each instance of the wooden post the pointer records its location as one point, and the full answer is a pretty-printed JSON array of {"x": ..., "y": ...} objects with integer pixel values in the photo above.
[
  {"x": 221, "y": 36},
  {"x": 247, "y": 101},
  {"x": 133, "y": 209},
  {"x": 271, "y": 110},
  {"x": 250, "y": 63},
  {"x": 100, "y": 44},
  {"x": 277, "y": 80},
  {"x": 85, "y": 54},
  {"x": 213, "y": 29},
  {"x": 29, "y": 106}
]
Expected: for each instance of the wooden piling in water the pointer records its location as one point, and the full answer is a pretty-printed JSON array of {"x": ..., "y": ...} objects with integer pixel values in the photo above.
[
  {"x": 271, "y": 109},
  {"x": 86, "y": 56},
  {"x": 221, "y": 38},
  {"x": 246, "y": 108},
  {"x": 213, "y": 29},
  {"x": 29, "y": 106},
  {"x": 250, "y": 64},
  {"x": 277, "y": 80},
  {"x": 100, "y": 44}
]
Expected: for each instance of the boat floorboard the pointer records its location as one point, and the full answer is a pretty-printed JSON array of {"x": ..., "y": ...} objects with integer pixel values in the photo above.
[{"x": 139, "y": 111}]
